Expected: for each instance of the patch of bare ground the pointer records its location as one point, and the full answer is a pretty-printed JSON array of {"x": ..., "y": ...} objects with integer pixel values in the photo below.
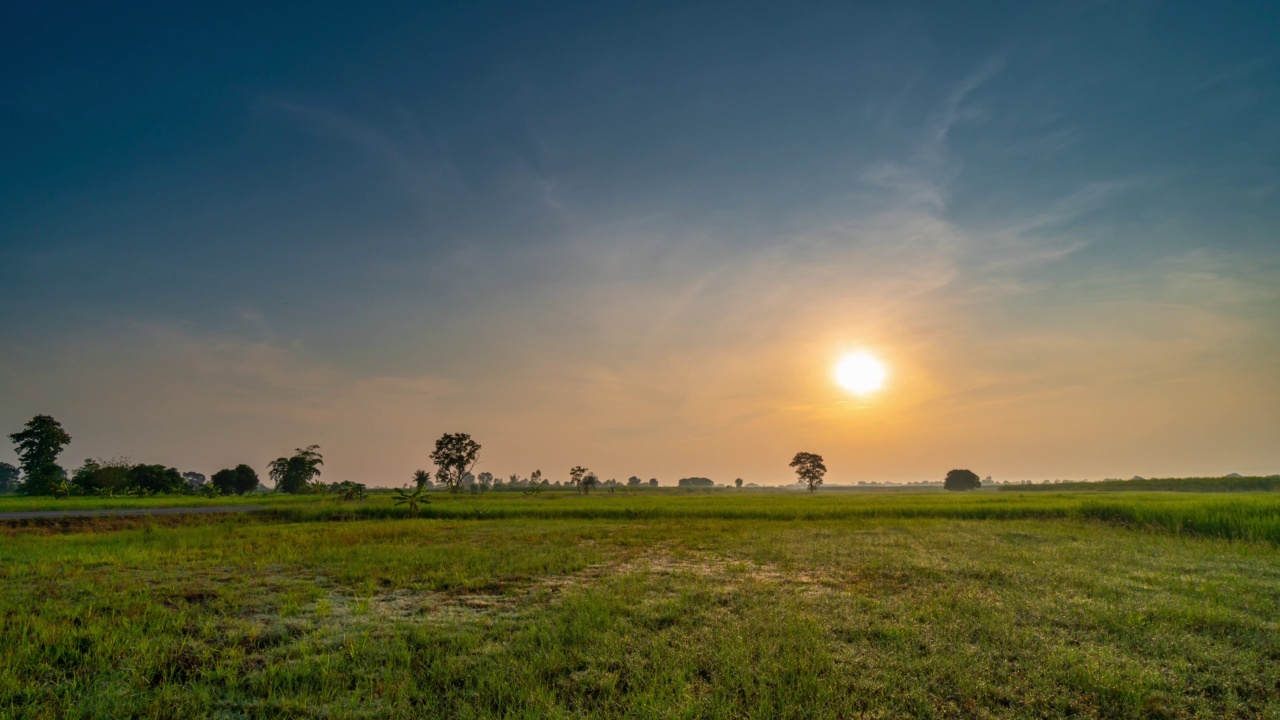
[{"x": 408, "y": 605}]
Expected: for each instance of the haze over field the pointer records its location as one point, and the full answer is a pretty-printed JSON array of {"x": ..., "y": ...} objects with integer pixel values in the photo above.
[{"x": 642, "y": 240}]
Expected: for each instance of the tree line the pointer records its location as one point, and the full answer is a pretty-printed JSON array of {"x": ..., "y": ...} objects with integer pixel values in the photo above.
[{"x": 43, "y": 439}]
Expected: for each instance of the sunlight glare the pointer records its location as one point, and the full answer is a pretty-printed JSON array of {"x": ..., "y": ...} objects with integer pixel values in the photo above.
[{"x": 860, "y": 373}]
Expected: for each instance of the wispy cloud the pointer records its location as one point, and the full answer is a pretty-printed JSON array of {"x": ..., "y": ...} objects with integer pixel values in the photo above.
[{"x": 399, "y": 145}]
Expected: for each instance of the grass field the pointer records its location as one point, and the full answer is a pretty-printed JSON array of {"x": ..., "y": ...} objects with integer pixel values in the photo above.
[{"x": 725, "y": 604}]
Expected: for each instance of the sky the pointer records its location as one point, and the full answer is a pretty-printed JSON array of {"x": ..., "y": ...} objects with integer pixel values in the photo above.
[{"x": 639, "y": 238}]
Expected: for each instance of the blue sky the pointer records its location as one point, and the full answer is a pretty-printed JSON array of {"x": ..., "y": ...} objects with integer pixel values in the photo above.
[{"x": 636, "y": 238}]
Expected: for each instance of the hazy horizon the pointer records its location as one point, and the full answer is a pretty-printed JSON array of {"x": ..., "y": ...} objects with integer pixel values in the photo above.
[{"x": 640, "y": 239}]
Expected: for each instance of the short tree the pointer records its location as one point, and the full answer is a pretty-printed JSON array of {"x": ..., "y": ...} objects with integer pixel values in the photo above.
[
  {"x": 962, "y": 480},
  {"x": 634, "y": 481},
  {"x": 653, "y": 482},
  {"x": 455, "y": 455},
  {"x": 589, "y": 481},
  {"x": 411, "y": 498},
  {"x": 38, "y": 446},
  {"x": 421, "y": 479},
  {"x": 8, "y": 477},
  {"x": 809, "y": 468},
  {"x": 738, "y": 482},
  {"x": 294, "y": 474}
]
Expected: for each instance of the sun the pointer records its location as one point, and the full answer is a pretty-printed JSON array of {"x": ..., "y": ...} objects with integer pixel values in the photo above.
[{"x": 860, "y": 373}]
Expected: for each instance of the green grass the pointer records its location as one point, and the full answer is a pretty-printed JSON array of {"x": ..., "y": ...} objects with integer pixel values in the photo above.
[
  {"x": 654, "y": 605},
  {"x": 1244, "y": 516}
]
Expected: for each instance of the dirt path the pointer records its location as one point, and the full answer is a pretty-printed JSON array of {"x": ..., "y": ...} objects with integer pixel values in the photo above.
[{"x": 40, "y": 514}]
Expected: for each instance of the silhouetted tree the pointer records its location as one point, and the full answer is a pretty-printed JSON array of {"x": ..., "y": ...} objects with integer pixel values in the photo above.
[
  {"x": 634, "y": 481},
  {"x": 653, "y": 482},
  {"x": 576, "y": 473},
  {"x": 738, "y": 482},
  {"x": 809, "y": 468},
  {"x": 195, "y": 480},
  {"x": 455, "y": 455},
  {"x": 294, "y": 474},
  {"x": 962, "y": 480},
  {"x": 239, "y": 481},
  {"x": 589, "y": 481},
  {"x": 38, "y": 445},
  {"x": 485, "y": 480},
  {"x": 535, "y": 478},
  {"x": 8, "y": 477},
  {"x": 421, "y": 479},
  {"x": 695, "y": 482}
]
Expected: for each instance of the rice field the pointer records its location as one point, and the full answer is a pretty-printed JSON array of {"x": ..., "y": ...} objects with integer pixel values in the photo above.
[{"x": 654, "y": 604}]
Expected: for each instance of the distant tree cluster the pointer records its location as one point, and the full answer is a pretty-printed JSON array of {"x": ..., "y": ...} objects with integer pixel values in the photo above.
[
  {"x": 240, "y": 480},
  {"x": 695, "y": 482},
  {"x": 583, "y": 479}
]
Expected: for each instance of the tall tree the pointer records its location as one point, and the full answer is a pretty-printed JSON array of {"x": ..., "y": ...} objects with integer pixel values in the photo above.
[
  {"x": 455, "y": 455},
  {"x": 8, "y": 477},
  {"x": 576, "y": 473},
  {"x": 38, "y": 446},
  {"x": 294, "y": 474},
  {"x": 810, "y": 468}
]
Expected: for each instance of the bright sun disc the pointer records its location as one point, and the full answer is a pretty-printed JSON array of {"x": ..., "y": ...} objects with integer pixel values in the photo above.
[{"x": 860, "y": 373}]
